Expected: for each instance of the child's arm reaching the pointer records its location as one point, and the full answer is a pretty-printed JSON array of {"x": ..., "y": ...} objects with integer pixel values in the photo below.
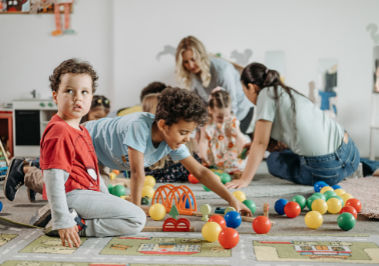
[
  {"x": 210, "y": 180},
  {"x": 63, "y": 221},
  {"x": 137, "y": 175},
  {"x": 203, "y": 146}
]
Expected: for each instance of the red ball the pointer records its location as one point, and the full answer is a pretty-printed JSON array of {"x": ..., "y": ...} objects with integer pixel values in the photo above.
[
  {"x": 354, "y": 203},
  {"x": 350, "y": 209},
  {"x": 192, "y": 179},
  {"x": 228, "y": 238},
  {"x": 261, "y": 225},
  {"x": 218, "y": 219},
  {"x": 292, "y": 209}
]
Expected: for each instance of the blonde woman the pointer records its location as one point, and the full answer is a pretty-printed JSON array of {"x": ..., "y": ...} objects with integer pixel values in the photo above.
[{"x": 202, "y": 73}]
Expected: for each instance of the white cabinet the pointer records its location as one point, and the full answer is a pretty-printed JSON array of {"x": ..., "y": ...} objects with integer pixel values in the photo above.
[{"x": 30, "y": 120}]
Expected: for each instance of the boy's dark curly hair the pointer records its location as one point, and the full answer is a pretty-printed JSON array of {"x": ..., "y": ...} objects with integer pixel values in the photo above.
[
  {"x": 153, "y": 87},
  {"x": 175, "y": 104},
  {"x": 73, "y": 66}
]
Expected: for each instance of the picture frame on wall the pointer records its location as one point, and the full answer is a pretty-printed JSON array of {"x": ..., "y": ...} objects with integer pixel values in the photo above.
[{"x": 28, "y": 7}]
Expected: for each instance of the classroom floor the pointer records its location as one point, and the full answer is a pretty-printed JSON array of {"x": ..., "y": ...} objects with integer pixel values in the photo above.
[{"x": 289, "y": 241}]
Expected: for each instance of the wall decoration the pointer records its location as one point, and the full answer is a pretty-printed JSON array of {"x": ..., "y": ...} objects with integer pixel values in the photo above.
[
  {"x": 241, "y": 58},
  {"x": 29, "y": 7},
  {"x": 65, "y": 6},
  {"x": 167, "y": 49},
  {"x": 373, "y": 30}
]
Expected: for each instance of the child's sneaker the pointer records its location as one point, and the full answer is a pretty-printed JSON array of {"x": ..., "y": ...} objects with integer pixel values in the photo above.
[
  {"x": 49, "y": 231},
  {"x": 14, "y": 178},
  {"x": 42, "y": 216}
]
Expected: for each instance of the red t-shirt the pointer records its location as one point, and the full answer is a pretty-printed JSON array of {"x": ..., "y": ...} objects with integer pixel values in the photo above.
[{"x": 64, "y": 147}]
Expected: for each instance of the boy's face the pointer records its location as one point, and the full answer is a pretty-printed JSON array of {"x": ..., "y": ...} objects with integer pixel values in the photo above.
[
  {"x": 74, "y": 96},
  {"x": 178, "y": 133}
]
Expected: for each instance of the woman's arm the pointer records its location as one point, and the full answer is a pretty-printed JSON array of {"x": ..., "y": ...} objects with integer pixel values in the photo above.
[
  {"x": 211, "y": 181},
  {"x": 260, "y": 141},
  {"x": 137, "y": 175}
]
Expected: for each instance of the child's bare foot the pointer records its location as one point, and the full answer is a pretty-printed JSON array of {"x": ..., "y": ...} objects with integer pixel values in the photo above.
[{"x": 376, "y": 173}]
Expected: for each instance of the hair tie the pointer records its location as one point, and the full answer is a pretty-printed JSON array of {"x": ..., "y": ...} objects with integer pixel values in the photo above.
[{"x": 218, "y": 88}]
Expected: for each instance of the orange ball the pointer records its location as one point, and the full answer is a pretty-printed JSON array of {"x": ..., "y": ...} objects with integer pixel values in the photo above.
[
  {"x": 261, "y": 225},
  {"x": 192, "y": 179},
  {"x": 228, "y": 238},
  {"x": 350, "y": 209},
  {"x": 354, "y": 203},
  {"x": 292, "y": 209}
]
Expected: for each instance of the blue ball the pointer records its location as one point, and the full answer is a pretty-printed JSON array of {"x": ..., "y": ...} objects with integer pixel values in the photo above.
[
  {"x": 233, "y": 219},
  {"x": 319, "y": 185},
  {"x": 279, "y": 206},
  {"x": 336, "y": 186},
  {"x": 187, "y": 201},
  {"x": 1, "y": 206}
]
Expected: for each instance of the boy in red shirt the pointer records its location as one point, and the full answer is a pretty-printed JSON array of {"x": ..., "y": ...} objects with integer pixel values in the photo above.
[{"x": 73, "y": 185}]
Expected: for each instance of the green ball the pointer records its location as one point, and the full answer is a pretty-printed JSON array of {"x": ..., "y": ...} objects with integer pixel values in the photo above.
[
  {"x": 206, "y": 189},
  {"x": 145, "y": 200},
  {"x": 319, "y": 195},
  {"x": 118, "y": 190},
  {"x": 328, "y": 194},
  {"x": 300, "y": 200},
  {"x": 250, "y": 204},
  {"x": 110, "y": 187},
  {"x": 310, "y": 200},
  {"x": 225, "y": 178},
  {"x": 346, "y": 221}
]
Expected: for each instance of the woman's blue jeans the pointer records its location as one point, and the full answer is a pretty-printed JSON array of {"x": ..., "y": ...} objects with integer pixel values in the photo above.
[{"x": 307, "y": 170}]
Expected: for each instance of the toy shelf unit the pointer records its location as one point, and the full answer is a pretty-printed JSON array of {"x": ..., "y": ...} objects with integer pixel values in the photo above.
[{"x": 30, "y": 120}]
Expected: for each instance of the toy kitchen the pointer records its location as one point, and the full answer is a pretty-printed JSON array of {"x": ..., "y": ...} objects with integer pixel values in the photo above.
[{"x": 30, "y": 117}]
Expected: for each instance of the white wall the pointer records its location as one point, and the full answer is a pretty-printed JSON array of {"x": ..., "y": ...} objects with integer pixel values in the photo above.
[
  {"x": 28, "y": 52},
  {"x": 305, "y": 30},
  {"x": 121, "y": 38}
]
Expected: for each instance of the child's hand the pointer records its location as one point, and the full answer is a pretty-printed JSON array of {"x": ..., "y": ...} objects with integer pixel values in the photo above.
[
  {"x": 237, "y": 183},
  {"x": 241, "y": 208},
  {"x": 70, "y": 235}
]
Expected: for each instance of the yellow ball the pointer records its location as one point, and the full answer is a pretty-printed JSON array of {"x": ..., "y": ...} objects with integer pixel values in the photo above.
[
  {"x": 334, "y": 205},
  {"x": 239, "y": 195},
  {"x": 157, "y": 212},
  {"x": 346, "y": 197},
  {"x": 320, "y": 206},
  {"x": 313, "y": 219},
  {"x": 210, "y": 231},
  {"x": 340, "y": 191},
  {"x": 112, "y": 176},
  {"x": 147, "y": 191},
  {"x": 149, "y": 181},
  {"x": 326, "y": 188}
]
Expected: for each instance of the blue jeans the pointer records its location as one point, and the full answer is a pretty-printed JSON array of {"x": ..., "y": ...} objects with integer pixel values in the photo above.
[{"x": 307, "y": 170}]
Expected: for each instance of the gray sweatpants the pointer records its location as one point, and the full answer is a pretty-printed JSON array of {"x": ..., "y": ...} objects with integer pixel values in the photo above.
[{"x": 105, "y": 214}]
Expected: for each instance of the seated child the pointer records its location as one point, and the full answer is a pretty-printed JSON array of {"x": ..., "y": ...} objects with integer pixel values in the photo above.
[
  {"x": 22, "y": 171},
  {"x": 221, "y": 140},
  {"x": 80, "y": 202}
]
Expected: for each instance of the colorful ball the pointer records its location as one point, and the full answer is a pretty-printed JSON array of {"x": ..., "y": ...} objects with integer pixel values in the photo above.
[
  {"x": 229, "y": 209},
  {"x": 145, "y": 201},
  {"x": 112, "y": 176},
  {"x": 225, "y": 178},
  {"x": 117, "y": 172},
  {"x": 218, "y": 219},
  {"x": 147, "y": 191},
  {"x": 320, "y": 206},
  {"x": 319, "y": 195},
  {"x": 228, "y": 238},
  {"x": 328, "y": 194},
  {"x": 1, "y": 206},
  {"x": 350, "y": 209},
  {"x": 187, "y": 204},
  {"x": 250, "y": 204},
  {"x": 300, "y": 199},
  {"x": 313, "y": 219},
  {"x": 261, "y": 225},
  {"x": 354, "y": 203},
  {"x": 149, "y": 181},
  {"x": 346, "y": 221},
  {"x": 206, "y": 189},
  {"x": 326, "y": 188},
  {"x": 210, "y": 231},
  {"x": 157, "y": 212},
  {"x": 310, "y": 201},
  {"x": 334, "y": 205},
  {"x": 292, "y": 209},
  {"x": 192, "y": 179},
  {"x": 340, "y": 191},
  {"x": 339, "y": 198},
  {"x": 336, "y": 187},
  {"x": 233, "y": 219},
  {"x": 240, "y": 195},
  {"x": 346, "y": 197},
  {"x": 279, "y": 206},
  {"x": 319, "y": 185},
  {"x": 118, "y": 190}
]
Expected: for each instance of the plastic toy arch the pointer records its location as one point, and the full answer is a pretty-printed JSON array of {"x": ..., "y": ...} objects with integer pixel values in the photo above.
[{"x": 169, "y": 194}]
